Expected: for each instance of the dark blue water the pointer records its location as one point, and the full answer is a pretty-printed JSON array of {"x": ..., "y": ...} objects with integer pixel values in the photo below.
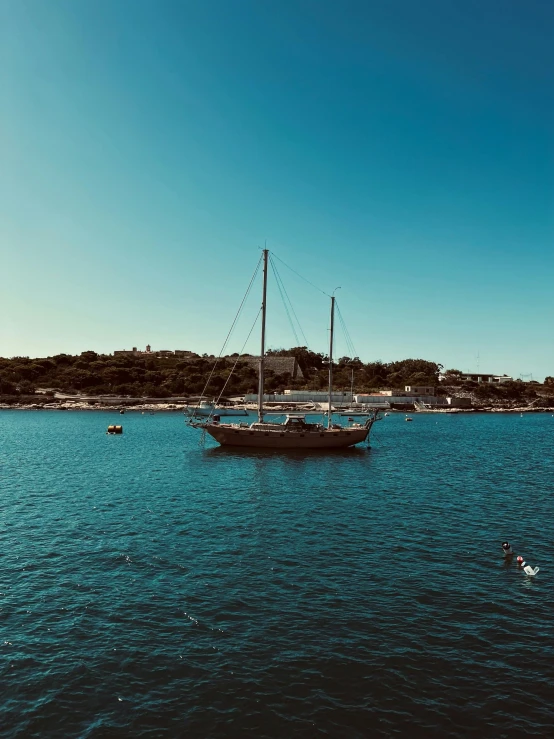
[{"x": 153, "y": 588}]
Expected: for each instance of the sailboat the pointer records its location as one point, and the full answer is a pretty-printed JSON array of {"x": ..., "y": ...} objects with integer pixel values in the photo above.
[{"x": 295, "y": 432}]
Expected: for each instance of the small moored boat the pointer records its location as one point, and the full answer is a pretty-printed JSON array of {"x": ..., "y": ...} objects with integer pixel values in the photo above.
[{"x": 205, "y": 408}]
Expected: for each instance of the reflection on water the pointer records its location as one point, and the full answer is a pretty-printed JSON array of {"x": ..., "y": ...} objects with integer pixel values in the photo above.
[{"x": 287, "y": 454}]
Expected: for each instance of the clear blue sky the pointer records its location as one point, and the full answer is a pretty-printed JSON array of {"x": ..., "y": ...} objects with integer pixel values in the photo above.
[{"x": 402, "y": 150}]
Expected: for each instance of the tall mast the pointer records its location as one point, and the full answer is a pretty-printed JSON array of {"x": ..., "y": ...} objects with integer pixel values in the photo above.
[
  {"x": 262, "y": 352},
  {"x": 331, "y": 360}
]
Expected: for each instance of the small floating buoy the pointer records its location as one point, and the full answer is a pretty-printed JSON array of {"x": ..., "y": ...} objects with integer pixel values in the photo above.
[
  {"x": 408, "y": 418},
  {"x": 122, "y": 412},
  {"x": 115, "y": 430},
  {"x": 530, "y": 571}
]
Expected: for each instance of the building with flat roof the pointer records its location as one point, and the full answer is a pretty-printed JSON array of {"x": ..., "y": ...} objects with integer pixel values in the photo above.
[
  {"x": 126, "y": 352},
  {"x": 134, "y": 352},
  {"x": 387, "y": 400},
  {"x": 420, "y": 390},
  {"x": 302, "y": 396},
  {"x": 382, "y": 399},
  {"x": 482, "y": 377}
]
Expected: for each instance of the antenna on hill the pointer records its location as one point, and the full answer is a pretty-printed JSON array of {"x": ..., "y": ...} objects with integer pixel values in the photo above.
[
  {"x": 526, "y": 378},
  {"x": 478, "y": 360}
]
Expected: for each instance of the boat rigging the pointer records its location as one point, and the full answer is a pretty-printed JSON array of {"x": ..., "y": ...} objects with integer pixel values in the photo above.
[{"x": 294, "y": 432}]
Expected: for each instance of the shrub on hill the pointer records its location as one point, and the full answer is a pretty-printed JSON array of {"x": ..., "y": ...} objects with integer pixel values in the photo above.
[{"x": 91, "y": 373}]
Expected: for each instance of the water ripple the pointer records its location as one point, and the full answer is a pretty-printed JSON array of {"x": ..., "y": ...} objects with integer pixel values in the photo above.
[{"x": 153, "y": 588}]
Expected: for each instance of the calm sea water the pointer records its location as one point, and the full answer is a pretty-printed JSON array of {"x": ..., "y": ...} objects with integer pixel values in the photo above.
[{"x": 154, "y": 588}]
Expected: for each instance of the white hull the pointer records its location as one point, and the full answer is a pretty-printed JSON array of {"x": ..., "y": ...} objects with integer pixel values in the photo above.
[
  {"x": 235, "y": 435},
  {"x": 354, "y": 413}
]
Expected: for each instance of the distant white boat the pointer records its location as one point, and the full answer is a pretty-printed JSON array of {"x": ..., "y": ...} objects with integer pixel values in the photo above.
[
  {"x": 205, "y": 408},
  {"x": 356, "y": 412},
  {"x": 426, "y": 408}
]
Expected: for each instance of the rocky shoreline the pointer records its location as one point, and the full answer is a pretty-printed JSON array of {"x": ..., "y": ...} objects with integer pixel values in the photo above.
[
  {"x": 87, "y": 407},
  {"x": 517, "y": 409},
  {"x": 112, "y": 404}
]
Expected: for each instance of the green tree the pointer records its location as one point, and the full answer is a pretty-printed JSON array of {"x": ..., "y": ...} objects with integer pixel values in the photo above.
[
  {"x": 484, "y": 391},
  {"x": 513, "y": 390},
  {"x": 7, "y": 388},
  {"x": 89, "y": 356},
  {"x": 26, "y": 387}
]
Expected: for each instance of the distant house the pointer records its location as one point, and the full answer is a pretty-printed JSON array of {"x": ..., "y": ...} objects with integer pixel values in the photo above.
[
  {"x": 410, "y": 391},
  {"x": 387, "y": 398},
  {"x": 420, "y": 390},
  {"x": 303, "y": 396},
  {"x": 480, "y": 378},
  {"x": 134, "y": 352}
]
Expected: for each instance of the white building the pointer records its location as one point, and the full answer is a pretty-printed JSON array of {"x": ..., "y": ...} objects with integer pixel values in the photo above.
[
  {"x": 420, "y": 390},
  {"x": 381, "y": 399},
  {"x": 389, "y": 397},
  {"x": 134, "y": 352},
  {"x": 481, "y": 377},
  {"x": 302, "y": 396}
]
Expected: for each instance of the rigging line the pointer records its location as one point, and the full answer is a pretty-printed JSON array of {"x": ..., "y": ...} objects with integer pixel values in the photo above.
[
  {"x": 293, "y": 311},
  {"x": 351, "y": 347},
  {"x": 349, "y": 342},
  {"x": 348, "y": 349},
  {"x": 299, "y": 275},
  {"x": 284, "y": 301},
  {"x": 280, "y": 279},
  {"x": 232, "y": 327},
  {"x": 239, "y": 356}
]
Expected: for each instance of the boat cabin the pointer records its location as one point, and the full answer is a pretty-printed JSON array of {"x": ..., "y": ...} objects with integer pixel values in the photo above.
[
  {"x": 291, "y": 423},
  {"x": 296, "y": 422}
]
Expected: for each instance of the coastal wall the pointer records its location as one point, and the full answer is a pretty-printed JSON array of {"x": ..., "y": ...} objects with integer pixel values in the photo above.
[{"x": 300, "y": 397}]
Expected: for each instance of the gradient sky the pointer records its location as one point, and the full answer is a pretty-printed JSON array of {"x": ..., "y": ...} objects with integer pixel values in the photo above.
[{"x": 402, "y": 150}]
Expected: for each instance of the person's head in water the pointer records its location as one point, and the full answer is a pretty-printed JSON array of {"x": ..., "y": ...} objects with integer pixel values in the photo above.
[{"x": 506, "y": 546}]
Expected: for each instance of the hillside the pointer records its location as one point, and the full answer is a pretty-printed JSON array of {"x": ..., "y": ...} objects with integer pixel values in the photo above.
[
  {"x": 156, "y": 376},
  {"x": 167, "y": 376}
]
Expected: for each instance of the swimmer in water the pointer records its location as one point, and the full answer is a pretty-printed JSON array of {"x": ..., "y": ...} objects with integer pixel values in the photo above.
[{"x": 507, "y": 548}]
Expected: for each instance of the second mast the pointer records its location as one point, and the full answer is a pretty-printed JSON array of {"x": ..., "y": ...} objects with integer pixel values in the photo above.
[{"x": 262, "y": 350}]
